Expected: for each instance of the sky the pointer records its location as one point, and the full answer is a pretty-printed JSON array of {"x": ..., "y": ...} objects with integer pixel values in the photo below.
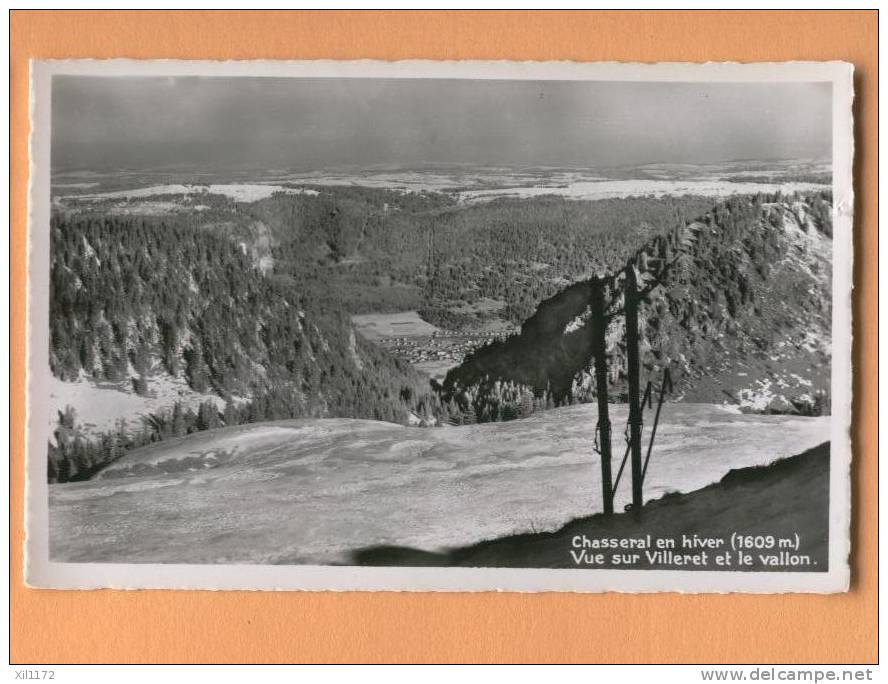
[{"x": 104, "y": 123}]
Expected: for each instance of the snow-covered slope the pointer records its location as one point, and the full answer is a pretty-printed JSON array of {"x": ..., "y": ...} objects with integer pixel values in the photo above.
[
  {"x": 305, "y": 491},
  {"x": 100, "y": 407}
]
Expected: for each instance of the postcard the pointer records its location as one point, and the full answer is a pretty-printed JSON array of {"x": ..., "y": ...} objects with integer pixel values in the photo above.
[{"x": 440, "y": 326}]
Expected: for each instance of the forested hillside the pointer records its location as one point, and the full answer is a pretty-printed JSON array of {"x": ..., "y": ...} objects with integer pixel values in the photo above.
[
  {"x": 741, "y": 312},
  {"x": 131, "y": 298},
  {"x": 368, "y": 251}
]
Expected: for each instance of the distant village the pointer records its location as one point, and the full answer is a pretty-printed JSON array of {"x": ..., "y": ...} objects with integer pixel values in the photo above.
[{"x": 443, "y": 345}]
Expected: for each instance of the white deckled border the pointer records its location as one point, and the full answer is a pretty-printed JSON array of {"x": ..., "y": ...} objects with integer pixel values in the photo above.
[{"x": 41, "y": 572}]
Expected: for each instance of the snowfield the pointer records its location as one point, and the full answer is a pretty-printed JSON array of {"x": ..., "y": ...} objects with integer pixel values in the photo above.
[
  {"x": 248, "y": 192},
  {"x": 474, "y": 184},
  {"x": 99, "y": 406},
  {"x": 404, "y": 324},
  {"x": 314, "y": 491},
  {"x": 612, "y": 189}
]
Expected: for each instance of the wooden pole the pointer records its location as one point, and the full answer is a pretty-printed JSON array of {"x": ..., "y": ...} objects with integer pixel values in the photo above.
[
  {"x": 599, "y": 349},
  {"x": 633, "y": 361},
  {"x": 645, "y": 398},
  {"x": 667, "y": 385}
]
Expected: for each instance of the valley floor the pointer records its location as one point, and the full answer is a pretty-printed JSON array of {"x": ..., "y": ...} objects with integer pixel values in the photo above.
[{"x": 317, "y": 491}]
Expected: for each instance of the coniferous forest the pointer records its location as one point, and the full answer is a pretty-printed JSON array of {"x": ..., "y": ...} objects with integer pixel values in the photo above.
[
  {"x": 134, "y": 297},
  {"x": 748, "y": 281}
]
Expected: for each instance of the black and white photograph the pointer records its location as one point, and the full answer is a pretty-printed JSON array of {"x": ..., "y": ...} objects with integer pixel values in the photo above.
[{"x": 451, "y": 326}]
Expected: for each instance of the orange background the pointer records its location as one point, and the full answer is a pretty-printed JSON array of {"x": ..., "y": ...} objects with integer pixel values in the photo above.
[{"x": 168, "y": 626}]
